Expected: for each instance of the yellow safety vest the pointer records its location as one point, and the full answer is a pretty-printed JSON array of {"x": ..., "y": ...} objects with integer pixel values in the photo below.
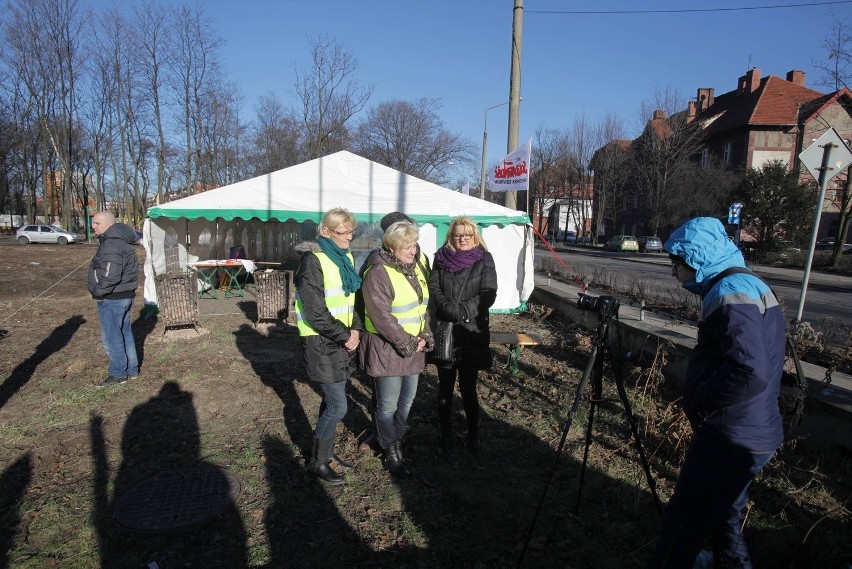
[
  {"x": 406, "y": 306},
  {"x": 342, "y": 307}
]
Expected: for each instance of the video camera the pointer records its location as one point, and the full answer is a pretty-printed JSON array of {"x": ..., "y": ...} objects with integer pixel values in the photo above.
[{"x": 606, "y": 306}]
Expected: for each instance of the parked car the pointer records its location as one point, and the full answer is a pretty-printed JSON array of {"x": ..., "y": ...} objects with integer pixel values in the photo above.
[
  {"x": 46, "y": 234},
  {"x": 622, "y": 243},
  {"x": 570, "y": 236},
  {"x": 649, "y": 244},
  {"x": 584, "y": 240},
  {"x": 827, "y": 244},
  {"x": 824, "y": 244}
]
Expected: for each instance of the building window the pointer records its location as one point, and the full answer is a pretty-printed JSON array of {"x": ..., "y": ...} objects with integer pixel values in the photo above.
[
  {"x": 705, "y": 157},
  {"x": 726, "y": 154}
]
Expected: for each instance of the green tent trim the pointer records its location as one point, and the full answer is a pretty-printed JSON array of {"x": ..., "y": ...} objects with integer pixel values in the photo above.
[{"x": 316, "y": 216}]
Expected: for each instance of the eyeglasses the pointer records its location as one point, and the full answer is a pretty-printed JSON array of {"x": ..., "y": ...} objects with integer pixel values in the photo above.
[
  {"x": 343, "y": 233},
  {"x": 463, "y": 236}
]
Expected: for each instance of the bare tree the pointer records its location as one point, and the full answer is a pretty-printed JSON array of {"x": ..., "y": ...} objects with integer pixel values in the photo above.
[
  {"x": 661, "y": 155},
  {"x": 837, "y": 71},
  {"x": 45, "y": 38},
  {"x": 411, "y": 137},
  {"x": 275, "y": 137},
  {"x": 837, "y": 66},
  {"x": 195, "y": 69},
  {"x": 220, "y": 133},
  {"x": 547, "y": 147},
  {"x": 153, "y": 39},
  {"x": 610, "y": 164},
  {"x": 329, "y": 96},
  {"x": 702, "y": 190},
  {"x": 581, "y": 141}
]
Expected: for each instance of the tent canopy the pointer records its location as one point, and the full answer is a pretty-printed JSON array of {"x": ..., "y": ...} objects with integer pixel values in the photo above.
[
  {"x": 270, "y": 214},
  {"x": 306, "y": 191}
]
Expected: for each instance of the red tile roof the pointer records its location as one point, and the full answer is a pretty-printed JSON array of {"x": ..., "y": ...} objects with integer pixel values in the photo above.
[{"x": 775, "y": 102}]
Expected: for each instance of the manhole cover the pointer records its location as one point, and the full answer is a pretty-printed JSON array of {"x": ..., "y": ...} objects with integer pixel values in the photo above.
[{"x": 177, "y": 499}]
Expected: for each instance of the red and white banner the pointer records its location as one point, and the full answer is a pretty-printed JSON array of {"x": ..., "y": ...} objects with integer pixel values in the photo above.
[{"x": 512, "y": 173}]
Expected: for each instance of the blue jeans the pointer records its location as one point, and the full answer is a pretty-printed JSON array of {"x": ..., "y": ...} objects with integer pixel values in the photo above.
[
  {"x": 394, "y": 396},
  {"x": 332, "y": 409},
  {"x": 117, "y": 337},
  {"x": 709, "y": 497}
]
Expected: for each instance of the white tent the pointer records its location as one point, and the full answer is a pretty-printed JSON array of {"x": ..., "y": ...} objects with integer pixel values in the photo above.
[{"x": 269, "y": 215}]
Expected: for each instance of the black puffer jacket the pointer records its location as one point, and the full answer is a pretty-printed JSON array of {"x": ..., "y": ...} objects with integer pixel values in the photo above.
[
  {"x": 326, "y": 358},
  {"x": 464, "y": 298},
  {"x": 113, "y": 272}
]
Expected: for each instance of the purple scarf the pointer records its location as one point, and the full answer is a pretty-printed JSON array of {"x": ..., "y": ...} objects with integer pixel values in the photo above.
[{"x": 454, "y": 261}]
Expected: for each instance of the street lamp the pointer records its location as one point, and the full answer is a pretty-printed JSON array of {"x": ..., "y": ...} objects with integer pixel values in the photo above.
[{"x": 484, "y": 142}]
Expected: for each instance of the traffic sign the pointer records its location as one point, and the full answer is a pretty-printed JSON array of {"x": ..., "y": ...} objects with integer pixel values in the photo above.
[
  {"x": 839, "y": 157},
  {"x": 734, "y": 212}
]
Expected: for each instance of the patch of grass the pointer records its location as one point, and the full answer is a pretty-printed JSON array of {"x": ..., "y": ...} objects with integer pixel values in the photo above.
[{"x": 241, "y": 402}]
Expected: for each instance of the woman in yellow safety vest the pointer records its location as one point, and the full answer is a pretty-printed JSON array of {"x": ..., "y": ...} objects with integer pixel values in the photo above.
[
  {"x": 397, "y": 335},
  {"x": 326, "y": 283}
]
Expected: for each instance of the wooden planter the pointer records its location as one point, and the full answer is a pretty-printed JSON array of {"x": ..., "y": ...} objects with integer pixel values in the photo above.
[
  {"x": 178, "y": 299},
  {"x": 275, "y": 296}
]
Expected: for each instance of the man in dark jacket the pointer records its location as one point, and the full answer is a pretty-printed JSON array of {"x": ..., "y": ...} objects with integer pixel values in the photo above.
[
  {"x": 730, "y": 396},
  {"x": 112, "y": 283}
]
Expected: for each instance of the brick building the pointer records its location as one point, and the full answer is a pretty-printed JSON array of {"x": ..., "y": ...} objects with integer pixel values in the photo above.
[{"x": 763, "y": 119}]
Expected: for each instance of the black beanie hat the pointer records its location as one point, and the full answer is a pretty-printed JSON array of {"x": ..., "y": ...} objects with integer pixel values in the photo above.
[{"x": 392, "y": 218}]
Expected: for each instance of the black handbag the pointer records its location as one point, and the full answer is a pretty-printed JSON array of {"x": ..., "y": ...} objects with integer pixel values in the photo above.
[{"x": 442, "y": 352}]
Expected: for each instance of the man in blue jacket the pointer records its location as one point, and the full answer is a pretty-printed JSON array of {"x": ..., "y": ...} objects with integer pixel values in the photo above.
[
  {"x": 112, "y": 282},
  {"x": 730, "y": 396}
]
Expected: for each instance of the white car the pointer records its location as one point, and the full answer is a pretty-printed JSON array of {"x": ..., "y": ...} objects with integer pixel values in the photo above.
[{"x": 46, "y": 234}]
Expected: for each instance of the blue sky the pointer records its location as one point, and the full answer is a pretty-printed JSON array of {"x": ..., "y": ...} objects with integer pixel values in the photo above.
[{"x": 572, "y": 63}]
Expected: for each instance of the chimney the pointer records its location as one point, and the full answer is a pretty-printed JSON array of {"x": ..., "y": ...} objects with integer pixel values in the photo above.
[
  {"x": 796, "y": 77},
  {"x": 705, "y": 98},
  {"x": 749, "y": 82},
  {"x": 659, "y": 114},
  {"x": 690, "y": 112}
]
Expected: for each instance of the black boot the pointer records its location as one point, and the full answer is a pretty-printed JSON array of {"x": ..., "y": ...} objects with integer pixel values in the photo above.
[
  {"x": 445, "y": 446},
  {"x": 319, "y": 462},
  {"x": 393, "y": 461},
  {"x": 474, "y": 446}
]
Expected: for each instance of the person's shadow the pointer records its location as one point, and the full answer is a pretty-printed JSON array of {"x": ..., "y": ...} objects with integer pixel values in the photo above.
[
  {"x": 13, "y": 485},
  {"x": 303, "y": 524},
  {"x": 161, "y": 442},
  {"x": 142, "y": 328},
  {"x": 55, "y": 341},
  {"x": 277, "y": 359},
  {"x": 468, "y": 510}
]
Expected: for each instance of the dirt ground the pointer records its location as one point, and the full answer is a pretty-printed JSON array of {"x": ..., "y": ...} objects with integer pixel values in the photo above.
[{"x": 234, "y": 396}]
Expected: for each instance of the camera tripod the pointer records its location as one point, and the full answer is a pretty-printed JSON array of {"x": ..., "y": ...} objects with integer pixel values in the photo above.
[{"x": 606, "y": 308}]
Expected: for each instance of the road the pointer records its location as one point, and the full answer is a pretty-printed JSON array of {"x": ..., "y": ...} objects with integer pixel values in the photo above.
[{"x": 828, "y": 296}]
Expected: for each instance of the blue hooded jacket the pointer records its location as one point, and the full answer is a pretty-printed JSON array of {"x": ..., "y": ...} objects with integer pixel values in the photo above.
[{"x": 732, "y": 382}]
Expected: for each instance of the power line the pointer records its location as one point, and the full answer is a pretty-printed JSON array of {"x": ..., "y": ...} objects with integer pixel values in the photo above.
[{"x": 687, "y": 10}]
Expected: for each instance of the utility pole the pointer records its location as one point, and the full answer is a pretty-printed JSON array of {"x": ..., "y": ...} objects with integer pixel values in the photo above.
[{"x": 511, "y": 198}]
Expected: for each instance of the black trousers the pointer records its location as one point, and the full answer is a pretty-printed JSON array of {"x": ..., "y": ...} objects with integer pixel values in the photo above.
[{"x": 467, "y": 386}]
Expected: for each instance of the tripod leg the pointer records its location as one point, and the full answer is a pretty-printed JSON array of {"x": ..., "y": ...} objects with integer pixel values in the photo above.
[
  {"x": 618, "y": 371},
  {"x": 595, "y": 399},
  {"x": 587, "y": 373}
]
